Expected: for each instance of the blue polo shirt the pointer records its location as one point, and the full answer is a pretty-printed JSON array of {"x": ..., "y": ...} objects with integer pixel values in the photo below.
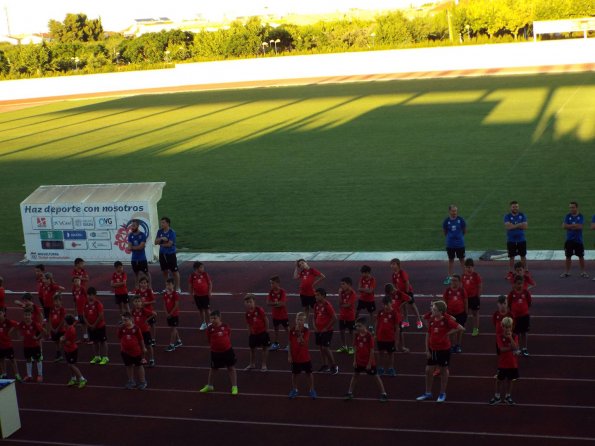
[
  {"x": 454, "y": 229},
  {"x": 515, "y": 235},
  {"x": 574, "y": 235},
  {"x": 135, "y": 239},
  {"x": 170, "y": 234}
]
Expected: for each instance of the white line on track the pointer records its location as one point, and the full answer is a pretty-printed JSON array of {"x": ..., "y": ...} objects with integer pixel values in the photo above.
[{"x": 56, "y": 443}]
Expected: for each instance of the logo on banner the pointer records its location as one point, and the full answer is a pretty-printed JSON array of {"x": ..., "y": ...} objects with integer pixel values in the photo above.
[
  {"x": 84, "y": 223},
  {"x": 122, "y": 234},
  {"x": 40, "y": 223},
  {"x": 62, "y": 223},
  {"x": 105, "y": 222}
]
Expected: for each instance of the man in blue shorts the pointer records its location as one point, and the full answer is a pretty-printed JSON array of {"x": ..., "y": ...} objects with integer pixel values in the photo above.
[
  {"x": 573, "y": 224},
  {"x": 515, "y": 223},
  {"x": 166, "y": 239},
  {"x": 137, "y": 241},
  {"x": 454, "y": 228}
]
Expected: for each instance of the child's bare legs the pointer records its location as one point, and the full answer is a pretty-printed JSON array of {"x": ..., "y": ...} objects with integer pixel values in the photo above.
[
  {"x": 323, "y": 356},
  {"x": 353, "y": 382},
  {"x": 343, "y": 338},
  {"x": 252, "y": 364},
  {"x": 415, "y": 309},
  {"x": 233, "y": 376},
  {"x": 401, "y": 341},
  {"x": 444, "y": 373},
  {"x": 154, "y": 332},
  {"x": 475, "y": 314},
  {"x": 130, "y": 372},
  {"x": 205, "y": 315},
  {"x": 103, "y": 348},
  {"x": 459, "y": 337},
  {"x": 211, "y": 377},
  {"x": 326, "y": 352},
  {"x": 380, "y": 384},
  {"x": 265, "y": 354},
  {"x": 97, "y": 348},
  {"x": 75, "y": 371},
  {"x": 276, "y": 335},
  {"x": 174, "y": 337},
  {"x": 311, "y": 376},
  {"x": 391, "y": 360},
  {"x": 509, "y": 385},
  {"x": 429, "y": 378},
  {"x": 151, "y": 353},
  {"x": 141, "y": 373}
]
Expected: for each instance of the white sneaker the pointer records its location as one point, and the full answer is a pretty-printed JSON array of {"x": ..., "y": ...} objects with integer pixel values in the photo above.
[{"x": 203, "y": 326}]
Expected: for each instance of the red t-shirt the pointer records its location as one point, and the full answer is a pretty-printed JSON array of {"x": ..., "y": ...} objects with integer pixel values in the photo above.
[
  {"x": 29, "y": 333},
  {"x": 2, "y": 297},
  {"x": 278, "y": 296},
  {"x": 307, "y": 278},
  {"x": 131, "y": 340},
  {"x": 438, "y": 329},
  {"x": 256, "y": 320},
  {"x": 200, "y": 283},
  {"x": 80, "y": 273},
  {"x": 364, "y": 346},
  {"x": 471, "y": 283},
  {"x": 497, "y": 320},
  {"x": 298, "y": 345},
  {"x": 455, "y": 300},
  {"x": 519, "y": 302},
  {"x": 36, "y": 313},
  {"x": 57, "y": 317},
  {"x": 70, "y": 339},
  {"x": 147, "y": 297},
  {"x": 386, "y": 325},
  {"x": 120, "y": 278},
  {"x": 140, "y": 316},
  {"x": 219, "y": 337},
  {"x": 5, "y": 327},
  {"x": 507, "y": 360},
  {"x": 47, "y": 294},
  {"x": 347, "y": 297},
  {"x": 92, "y": 312},
  {"x": 527, "y": 280},
  {"x": 170, "y": 299},
  {"x": 323, "y": 314},
  {"x": 399, "y": 298},
  {"x": 400, "y": 280},
  {"x": 367, "y": 282},
  {"x": 80, "y": 299}
]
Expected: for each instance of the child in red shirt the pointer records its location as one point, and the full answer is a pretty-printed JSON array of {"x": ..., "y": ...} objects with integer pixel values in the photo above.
[
  {"x": 457, "y": 306},
  {"x": 132, "y": 348},
  {"x": 79, "y": 294},
  {"x": 80, "y": 272},
  {"x": 171, "y": 300},
  {"x": 148, "y": 297},
  {"x": 31, "y": 332},
  {"x": 277, "y": 300},
  {"x": 324, "y": 321},
  {"x": 222, "y": 354},
  {"x": 500, "y": 314},
  {"x": 258, "y": 327},
  {"x": 519, "y": 270},
  {"x": 398, "y": 298},
  {"x": 309, "y": 278},
  {"x": 68, "y": 343},
  {"x": 7, "y": 328},
  {"x": 347, "y": 299},
  {"x": 48, "y": 290},
  {"x": 508, "y": 366},
  {"x": 95, "y": 320},
  {"x": 366, "y": 287},
  {"x": 519, "y": 302},
  {"x": 39, "y": 272},
  {"x": 2, "y": 294},
  {"x": 118, "y": 283},
  {"x": 364, "y": 360},
  {"x": 56, "y": 323},
  {"x": 400, "y": 280},
  {"x": 387, "y": 325},
  {"x": 200, "y": 286},
  {"x": 140, "y": 316},
  {"x": 298, "y": 355},
  {"x": 473, "y": 288}
]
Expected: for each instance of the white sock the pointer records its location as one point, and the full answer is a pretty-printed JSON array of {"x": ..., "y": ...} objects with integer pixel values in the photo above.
[{"x": 39, "y": 368}]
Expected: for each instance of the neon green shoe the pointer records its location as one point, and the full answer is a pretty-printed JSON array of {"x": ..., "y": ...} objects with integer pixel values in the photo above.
[
  {"x": 475, "y": 332},
  {"x": 71, "y": 382},
  {"x": 350, "y": 350},
  {"x": 82, "y": 383},
  {"x": 104, "y": 361},
  {"x": 342, "y": 349},
  {"x": 95, "y": 360},
  {"x": 234, "y": 390},
  {"x": 206, "y": 389}
]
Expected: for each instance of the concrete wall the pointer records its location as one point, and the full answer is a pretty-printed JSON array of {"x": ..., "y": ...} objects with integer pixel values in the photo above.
[{"x": 526, "y": 54}]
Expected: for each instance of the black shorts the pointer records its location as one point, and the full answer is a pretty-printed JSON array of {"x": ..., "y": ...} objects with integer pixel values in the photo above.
[
  {"x": 225, "y": 359},
  {"x": 152, "y": 320},
  {"x": 299, "y": 367},
  {"x": 7, "y": 353},
  {"x": 121, "y": 299},
  {"x": 324, "y": 338},
  {"x": 386, "y": 346},
  {"x": 97, "y": 335},
  {"x": 140, "y": 266},
  {"x": 131, "y": 360},
  {"x": 32, "y": 353},
  {"x": 307, "y": 301},
  {"x": 572, "y": 248},
  {"x": 46, "y": 312},
  {"x": 147, "y": 339},
  {"x": 461, "y": 318},
  {"x": 507, "y": 374},
  {"x": 440, "y": 358},
  {"x": 370, "y": 307},
  {"x": 202, "y": 302},
  {"x": 516, "y": 249},
  {"x": 522, "y": 324},
  {"x": 283, "y": 322},
  {"x": 362, "y": 369},
  {"x": 473, "y": 303},
  {"x": 412, "y": 301},
  {"x": 346, "y": 325},
  {"x": 168, "y": 262},
  {"x": 56, "y": 336},
  {"x": 71, "y": 357},
  {"x": 459, "y": 253},
  {"x": 173, "y": 321},
  {"x": 259, "y": 340}
]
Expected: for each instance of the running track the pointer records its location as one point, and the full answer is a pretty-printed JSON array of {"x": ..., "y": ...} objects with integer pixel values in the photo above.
[{"x": 555, "y": 396}]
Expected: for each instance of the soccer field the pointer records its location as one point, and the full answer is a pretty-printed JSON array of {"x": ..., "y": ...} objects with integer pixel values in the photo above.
[{"x": 354, "y": 166}]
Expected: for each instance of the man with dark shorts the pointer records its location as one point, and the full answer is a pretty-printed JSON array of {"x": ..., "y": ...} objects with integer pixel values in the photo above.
[
  {"x": 515, "y": 223},
  {"x": 454, "y": 228},
  {"x": 137, "y": 241},
  {"x": 166, "y": 239},
  {"x": 573, "y": 224}
]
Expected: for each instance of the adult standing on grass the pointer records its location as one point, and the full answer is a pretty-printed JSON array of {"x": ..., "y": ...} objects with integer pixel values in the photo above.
[
  {"x": 573, "y": 224},
  {"x": 515, "y": 223},
  {"x": 137, "y": 241},
  {"x": 454, "y": 228},
  {"x": 166, "y": 239}
]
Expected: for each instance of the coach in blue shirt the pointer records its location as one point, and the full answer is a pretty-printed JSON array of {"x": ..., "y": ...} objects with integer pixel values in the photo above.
[
  {"x": 454, "y": 228},
  {"x": 166, "y": 239},
  {"x": 515, "y": 223},
  {"x": 573, "y": 224}
]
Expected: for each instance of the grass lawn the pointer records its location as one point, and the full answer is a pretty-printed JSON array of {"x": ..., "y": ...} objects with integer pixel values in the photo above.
[{"x": 360, "y": 166}]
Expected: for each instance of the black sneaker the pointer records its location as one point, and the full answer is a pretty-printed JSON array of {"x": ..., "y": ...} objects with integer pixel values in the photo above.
[
  {"x": 383, "y": 398},
  {"x": 524, "y": 352},
  {"x": 495, "y": 400},
  {"x": 334, "y": 370},
  {"x": 509, "y": 401}
]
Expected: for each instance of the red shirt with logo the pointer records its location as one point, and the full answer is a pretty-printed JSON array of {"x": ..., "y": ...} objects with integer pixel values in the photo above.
[
  {"x": 386, "y": 325},
  {"x": 140, "y": 316},
  {"x": 364, "y": 346},
  {"x": 80, "y": 298},
  {"x": 30, "y": 332},
  {"x": 527, "y": 280},
  {"x": 56, "y": 318},
  {"x": 147, "y": 297},
  {"x": 370, "y": 283},
  {"x": 400, "y": 280},
  {"x": 256, "y": 320},
  {"x": 120, "y": 278},
  {"x": 5, "y": 327},
  {"x": 323, "y": 314},
  {"x": 278, "y": 296},
  {"x": 471, "y": 283},
  {"x": 131, "y": 340},
  {"x": 70, "y": 339},
  {"x": 347, "y": 297},
  {"x": 200, "y": 283},
  {"x": 307, "y": 278},
  {"x": 92, "y": 312},
  {"x": 497, "y": 321},
  {"x": 219, "y": 337},
  {"x": 438, "y": 331},
  {"x": 47, "y": 294},
  {"x": 80, "y": 273},
  {"x": 170, "y": 298},
  {"x": 399, "y": 298},
  {"x": 298, "y": 345},
  {"x": 455, "y": 300},
  {"x": 519, "y": 302},
  {"x": 506, "y": 360}
]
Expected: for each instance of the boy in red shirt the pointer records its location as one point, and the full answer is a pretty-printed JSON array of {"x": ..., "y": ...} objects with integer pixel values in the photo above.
[
  {"x": 48, "y": 290},
  {"x": 7, "y": 328},
  {"x": 222, "y": 354},
  {"x": 500, "y": 314},
  {"x": 309, "y": 278},
  {"x": 80, "y": 272},
  {"x": 519, "y": 302},
  {"x": 387, "y": 325},
  {"x": 31, "y": 332},
  {"x": 398, "y": 298},
  {"x": 366, "y": 287},
  {"x": 364, "y": 360},
  {"x": 27, "y": 304},
  {"x": 324, "y": 321},
  {"x": 148, "y": 297},
  {"x": 79, "y": 294},
  {"x": 132, "y": 348},
  {"x": 140, "y": 316},
  {"x": 457, "y": 306},
  {"x": 298, "y": 355},
  {"x": 57, "y": 328},
  {"x": 277, "y": 300},
  {"x": 519, "y": 270},
  {"x": 118, "y": 283},
  {"x": 39, "y": 272},
  {"x": 400, "y": 280},
  {"x": 347, "y": 299},
  {"x": 473, "y": 288},
  {"x": 258, "y": 327},
  {"x": 95, "y": 321},
  {"x": 68, "y": 343},
  {"x": 440, "y": 327},
  {"x": 201, "y": 286},
  {"x": 171, "y": 300},
  {"x": 508, "y": 366}
]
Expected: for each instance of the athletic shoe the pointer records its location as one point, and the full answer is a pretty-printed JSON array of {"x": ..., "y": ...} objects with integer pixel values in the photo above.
[
  {"x": 404, "y": 324},
  {"x": 71, "y": 382},
  {"x": 130, "y": 385},
  {"x": 59, "y": 358},
  {"x": 170, "y": 348},
  {"x": 348, "y": 396},
  {"x": 447, "y": 280},
  {"x": 403, "y": 350},
  {"x": 153, "y": 342},
  {"x": 420, "y": 325},
  {"x": 151, "y": 363},
  {"x": 104, "y": 361},
  {"x": 323, "y": 368},
  {"x": 343, "y": 349},
  {"x": 380, "y": 371},
  {"x": 441, "y": 398},
  {"x": 142, "y": 385},
  {"x": 509, "y": 400},
  {"x": 178, "y": 343},
  {"x": 524, "y": 352},
  {"x": 391, "y": 372},
  {"x": 95, "y": 360},
  {"x": 264, "y": 368},
  {"x": 293, "y": 393},
  {"x": 249, "y": 367},
  {"x": 584, "y": 275},
  {"x": 334, "y": 370},
  {"x": 39, "y": 379},
  {"x": 207, "y": 389},
  {"x": 458, "y": 349},
  {"x": 203, "y": 326},
  {"x": 475, "y": 332},
  {"x": 312, "y": 394},
  {"x": 383, "y": 398},
  {"x": 82, "y": 383},
  {"x": 424, "y": 397},
  {"x": 234, "y": 390},
  {"x": 41, "y": 358},
  {"x": 284, "y": 349},
  {"x": 351, "y": 350},
  {"x": 564, "y": 275},
  {"x": 18, "y": 378},
  {"x": 274, "y": 347},
  {"x": 495, "y": 400}
]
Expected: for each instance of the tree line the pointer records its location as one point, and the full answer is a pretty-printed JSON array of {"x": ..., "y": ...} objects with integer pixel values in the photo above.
[{"x": 80, "y": 45}]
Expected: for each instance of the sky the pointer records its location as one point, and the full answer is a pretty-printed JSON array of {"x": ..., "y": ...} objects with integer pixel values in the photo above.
[{"x": 32, "y": 16}]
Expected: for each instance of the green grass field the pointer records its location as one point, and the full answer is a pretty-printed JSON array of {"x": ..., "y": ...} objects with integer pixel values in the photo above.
[{"x": 360, "y": 166}]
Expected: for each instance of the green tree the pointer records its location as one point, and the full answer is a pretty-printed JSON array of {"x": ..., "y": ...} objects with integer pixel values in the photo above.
[
  {"x": 76, "y": 28},
  {"x": 393, "y": 29},
  {"x": 33, "y": 59}
]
